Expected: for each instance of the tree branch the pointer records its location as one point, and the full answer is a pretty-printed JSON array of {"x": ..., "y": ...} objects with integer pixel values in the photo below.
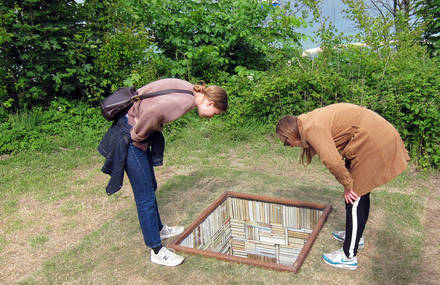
[{"x": 378, "y": 9}]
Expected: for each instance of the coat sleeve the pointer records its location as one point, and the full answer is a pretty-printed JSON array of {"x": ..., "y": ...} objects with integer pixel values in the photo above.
[{"x": 322, "y": 142}]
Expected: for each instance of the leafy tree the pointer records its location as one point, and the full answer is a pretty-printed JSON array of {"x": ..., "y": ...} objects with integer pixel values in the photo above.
[
  {"x": 66, "y": 49},
  {"x": 398, "y": 20},
  {"x": 207, "y": 38},
  {"x": 393, "y": 26},
  {"x": 116, "y": 46},
  {"x": 36, "y": 48},
  {"x": 429, "y": 11},
  {"x": 393, "y": 8}
]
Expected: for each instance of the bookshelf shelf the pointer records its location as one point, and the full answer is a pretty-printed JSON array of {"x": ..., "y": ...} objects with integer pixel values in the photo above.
[{"x": 258, "y": 230}]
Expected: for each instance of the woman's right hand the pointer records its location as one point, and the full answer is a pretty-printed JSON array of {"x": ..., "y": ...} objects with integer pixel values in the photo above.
[{"x": 350, "y": 196}]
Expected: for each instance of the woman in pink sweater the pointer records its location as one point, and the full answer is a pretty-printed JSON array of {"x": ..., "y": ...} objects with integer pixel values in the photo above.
[
  {"x": 361, "y": 149},
  {"x": 144, "y": 118}
]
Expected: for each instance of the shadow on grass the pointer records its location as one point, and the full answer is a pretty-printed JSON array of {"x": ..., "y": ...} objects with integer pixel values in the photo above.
[
  {"x": 115, "y": 253},
  {"x": 400, "y": 242},
  {"x": 398, "y": 259}
]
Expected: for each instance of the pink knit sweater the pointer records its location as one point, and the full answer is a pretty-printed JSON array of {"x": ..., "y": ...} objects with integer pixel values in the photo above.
[{"x": 152, "y": 113}]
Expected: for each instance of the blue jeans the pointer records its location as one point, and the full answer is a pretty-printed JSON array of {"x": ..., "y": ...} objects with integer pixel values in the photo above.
[{"x": 140, "y": 172}]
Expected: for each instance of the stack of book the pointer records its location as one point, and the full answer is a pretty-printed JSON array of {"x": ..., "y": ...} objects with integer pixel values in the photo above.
[{"x": 254, "y": 229}]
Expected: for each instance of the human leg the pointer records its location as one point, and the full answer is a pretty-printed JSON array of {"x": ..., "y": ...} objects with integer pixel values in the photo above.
[
  {"x": 340, "y": 236},
  {"x": 164, "y": 230},
  {"x": 154, "y": 183},
  {"x": 356, "y": 219},
  {"x": 141, "y": 175},
  {"x": 143, "y": 183}
]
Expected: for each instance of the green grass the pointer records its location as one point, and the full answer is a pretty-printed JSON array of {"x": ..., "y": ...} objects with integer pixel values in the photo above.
[
  {"x": 38, "y": 241},
  {"x": 201, "y": 162},
  {"x": 43, "y": 173}
]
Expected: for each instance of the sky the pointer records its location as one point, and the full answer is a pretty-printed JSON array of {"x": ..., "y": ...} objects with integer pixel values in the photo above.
[{"x": 331, "y": 9}]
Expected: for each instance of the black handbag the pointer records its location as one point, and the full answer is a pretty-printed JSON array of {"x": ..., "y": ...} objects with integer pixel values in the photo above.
[{"x": 117, "y": 104}]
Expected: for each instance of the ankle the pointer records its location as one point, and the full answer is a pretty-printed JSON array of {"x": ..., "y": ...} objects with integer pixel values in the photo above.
[{"x": 157, "y": 249}]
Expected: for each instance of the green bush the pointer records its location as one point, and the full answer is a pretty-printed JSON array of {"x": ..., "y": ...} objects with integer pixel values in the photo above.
[
  {"x": 124, "y": 54},
  {"x": 207, "y": 38},
  {"x": 401, "y": 85},
  {"x": 88, "y": 50},
  {"x": 36, "y": 45},
  {"x": 64, "y": 125}
]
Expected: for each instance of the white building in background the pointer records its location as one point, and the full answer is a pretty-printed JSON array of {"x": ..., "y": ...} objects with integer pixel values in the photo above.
[{"x": 314, "y": 51}]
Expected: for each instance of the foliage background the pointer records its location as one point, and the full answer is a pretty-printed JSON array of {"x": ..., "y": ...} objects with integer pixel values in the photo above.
[{"x": 60, "y": 58}]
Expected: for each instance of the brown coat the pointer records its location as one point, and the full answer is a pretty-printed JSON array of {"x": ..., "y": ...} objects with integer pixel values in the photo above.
[{"x": 346, "y": 131}]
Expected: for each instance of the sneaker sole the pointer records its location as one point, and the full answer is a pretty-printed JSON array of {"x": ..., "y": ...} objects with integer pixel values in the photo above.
[
  {"x": 361, "y": 245},
  {"x": 159, "y": 262},
  {"x": 342, "y": 266}
]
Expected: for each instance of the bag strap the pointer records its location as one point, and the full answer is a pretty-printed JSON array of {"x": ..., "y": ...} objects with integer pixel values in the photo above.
[{"x": 158, "y": 93}]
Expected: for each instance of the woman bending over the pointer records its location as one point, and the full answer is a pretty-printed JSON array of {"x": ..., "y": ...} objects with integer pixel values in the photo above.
[{"x": 361, "y": 149}]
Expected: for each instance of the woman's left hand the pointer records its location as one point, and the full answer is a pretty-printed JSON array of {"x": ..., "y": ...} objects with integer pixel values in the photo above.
[{"x": 350, "y": 196}]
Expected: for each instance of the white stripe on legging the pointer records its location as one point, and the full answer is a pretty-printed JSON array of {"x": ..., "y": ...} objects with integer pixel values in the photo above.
[{"x": 354, "y": 228}]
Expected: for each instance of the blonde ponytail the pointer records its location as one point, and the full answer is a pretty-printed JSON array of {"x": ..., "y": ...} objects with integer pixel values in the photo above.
[
  {"x": 215, "y": 94},
  {"x": 200, "y": 88}
]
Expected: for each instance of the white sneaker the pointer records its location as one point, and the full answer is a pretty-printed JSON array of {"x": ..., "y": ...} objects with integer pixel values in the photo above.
[
  {"x": 338, "y": 259},
  {"x": 167, "y": 231},
  {"x": 166, "y": 257},
  {"x": 340, "y": 236}
]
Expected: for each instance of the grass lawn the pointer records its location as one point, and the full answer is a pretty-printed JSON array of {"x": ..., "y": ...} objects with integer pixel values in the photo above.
[{"x": 58, "y": 225}]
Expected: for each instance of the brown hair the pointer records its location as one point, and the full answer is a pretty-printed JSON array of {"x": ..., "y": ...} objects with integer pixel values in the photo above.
[
  {"x": 215, "y": 94},
  {"x": 288, "y": 127}
]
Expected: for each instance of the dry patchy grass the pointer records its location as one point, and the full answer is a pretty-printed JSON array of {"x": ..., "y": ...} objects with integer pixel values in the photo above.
[
  {"x": 60, "y": 224},
  {"x": 95, "y": 239}
]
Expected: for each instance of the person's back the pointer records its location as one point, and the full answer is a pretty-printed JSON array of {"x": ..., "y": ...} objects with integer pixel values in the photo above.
[
  {"x": 170, "y": 106},
  {"x": 150, "y": 114},
  {"x": 336, "y": 117}
]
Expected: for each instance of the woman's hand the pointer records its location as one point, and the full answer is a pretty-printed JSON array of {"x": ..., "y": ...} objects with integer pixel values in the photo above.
[{"x": 350, "y": 196}]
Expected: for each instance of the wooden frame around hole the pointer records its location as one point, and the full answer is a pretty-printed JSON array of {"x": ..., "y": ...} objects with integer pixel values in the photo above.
[{"x": 176, "y": 244}]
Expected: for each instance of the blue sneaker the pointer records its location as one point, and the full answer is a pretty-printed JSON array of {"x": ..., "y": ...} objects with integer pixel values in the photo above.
[
  {"x": 338, "y": 259},
  {"x": 340, "y": 236}
]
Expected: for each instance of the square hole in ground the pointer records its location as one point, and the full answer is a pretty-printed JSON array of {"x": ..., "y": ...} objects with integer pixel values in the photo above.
[{"x": 258, "y": 230}]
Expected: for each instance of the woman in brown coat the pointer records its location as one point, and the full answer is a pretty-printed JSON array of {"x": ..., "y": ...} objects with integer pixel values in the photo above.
[{"x": 361, "y": 149}]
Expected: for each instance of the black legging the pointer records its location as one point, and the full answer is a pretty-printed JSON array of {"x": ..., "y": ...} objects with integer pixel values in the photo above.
[{"x": 356, "y": 217}]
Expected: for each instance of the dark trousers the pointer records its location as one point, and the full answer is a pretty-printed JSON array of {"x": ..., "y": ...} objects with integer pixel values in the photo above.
[{"x": 356, "y": 218}]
